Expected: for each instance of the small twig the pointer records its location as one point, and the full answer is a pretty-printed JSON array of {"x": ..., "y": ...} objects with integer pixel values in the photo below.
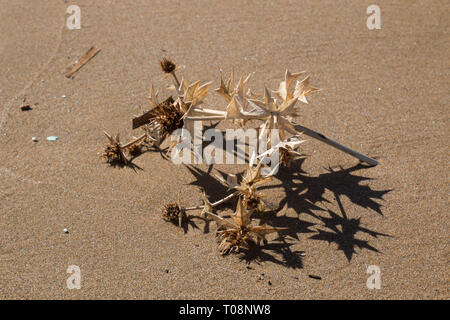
[{"x": 83, "y": 60}]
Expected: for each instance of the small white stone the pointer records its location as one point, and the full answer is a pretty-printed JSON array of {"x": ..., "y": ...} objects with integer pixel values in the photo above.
[
  {"x": 379, "y": 89},
  {"x": 63, "y": 96},
  {"x": 34, "y": 139},
  {"x": 65, "y": 230}
]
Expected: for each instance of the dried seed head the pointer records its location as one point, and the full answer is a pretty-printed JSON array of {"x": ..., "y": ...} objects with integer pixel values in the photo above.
[
  {"x": 167, "y": 65},
  {"x": 231, "y": 241},
  {"x": 112, "y": 155},
  {"x": 166, "y": 117},
  {"x": 288, "y": 155},
  {"x": 254, "y": 202},
  {"x": 172, "y": 212},
  {"x": 169, "y": 116}
]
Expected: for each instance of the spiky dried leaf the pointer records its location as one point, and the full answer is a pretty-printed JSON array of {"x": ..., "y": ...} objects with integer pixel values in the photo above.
[
  {"x": 303, "y": 89},
  {"x": 239, "y": 233}
]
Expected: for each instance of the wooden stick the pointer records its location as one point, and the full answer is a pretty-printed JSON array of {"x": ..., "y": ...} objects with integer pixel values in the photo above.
[
  {"x": 321, "y": 137},
  {"x": 83, "y": 60}
]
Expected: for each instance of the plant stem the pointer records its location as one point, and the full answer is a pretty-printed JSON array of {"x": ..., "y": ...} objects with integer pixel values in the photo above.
[
  {"x": 133, "y": 141},
  {"x": 177, "y": 83},
  {"x": 223, "y": 117},
  {"x": 215, "y": 203},
  {"x": 225, "y": 199}
]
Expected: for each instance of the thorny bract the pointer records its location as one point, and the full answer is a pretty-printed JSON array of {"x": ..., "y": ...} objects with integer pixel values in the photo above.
[{"x": 239, "y": 232}]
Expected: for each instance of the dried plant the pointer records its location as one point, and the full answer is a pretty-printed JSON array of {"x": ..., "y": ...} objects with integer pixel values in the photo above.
[
  {"x": 287, "y": 151},
  {"x": 114, "y": 152},
  {"x": 251, "y": 181},
  {"x": 276, "y": 114},
  {"x": 208, "y": 206},
  {"x": 237, "y": 108},
  {"x": 166, "y": 117},
  {"x": 243, "y": 105},
  {"x": 167, "y": 65},
  {"x": 139, "y": 147},
  {"x": 253, "y": 200},
  {"x": 248, "y": 187},
  {"x": 169, "y": 115},
  {"x": 239, "y": 233},
  {"x": 174, "y": 213}
]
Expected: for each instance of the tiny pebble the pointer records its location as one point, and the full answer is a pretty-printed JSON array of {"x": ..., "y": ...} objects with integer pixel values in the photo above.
[
  {"x": 379, "y": 89},
  {"x": 167, "y": 270},
  {"x": 269, "y": 282},
  {"x": 303, "y": 254},
  {"x": 52, "y": 138},
  {"x": 65, "y": 230},
  {"x": 63, "y": 96},
  {"x": 26, "y": 108},
  {"x": 34, "y": 139}
]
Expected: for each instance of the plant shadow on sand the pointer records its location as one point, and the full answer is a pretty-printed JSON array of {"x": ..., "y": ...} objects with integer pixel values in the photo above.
[
  {"x": 187, "y": 222},
  {"x": 344, "y": 236},
  {"x": 129, "y": 164},
  {"x": 304, "y": 194}
]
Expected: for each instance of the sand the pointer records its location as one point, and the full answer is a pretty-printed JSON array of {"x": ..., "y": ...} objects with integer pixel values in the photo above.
[{"x": 385, "y": 94}]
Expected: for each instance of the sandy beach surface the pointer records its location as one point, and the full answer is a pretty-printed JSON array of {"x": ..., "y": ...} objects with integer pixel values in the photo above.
[{"x": 386, "y": 94}]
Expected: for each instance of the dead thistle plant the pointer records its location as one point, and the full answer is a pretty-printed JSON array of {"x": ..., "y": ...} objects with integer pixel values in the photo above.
[
  {"x": 239, "y": 233},
  {"x": 174, "y": 213},
  {"x": 167, "y": 116},
  {"x": 114, "y": 152}
]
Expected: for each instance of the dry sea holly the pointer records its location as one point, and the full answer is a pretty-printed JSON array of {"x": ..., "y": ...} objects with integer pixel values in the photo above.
[
  {"x": 115, "y": 152},
  {"x": 239, "y": 233},
  {"x": 174, "y": 213},
  {"x": 165, "y": 117},
  {"x": 248, "y": 187}
]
